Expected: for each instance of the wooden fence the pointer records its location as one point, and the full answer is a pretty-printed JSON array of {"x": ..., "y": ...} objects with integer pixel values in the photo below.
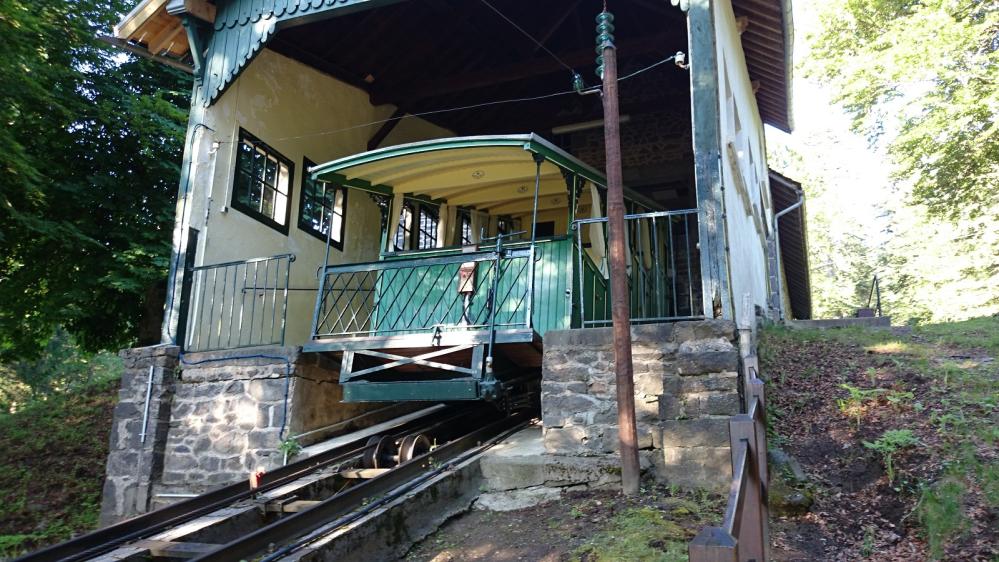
[{"x": 743, "y": 535}]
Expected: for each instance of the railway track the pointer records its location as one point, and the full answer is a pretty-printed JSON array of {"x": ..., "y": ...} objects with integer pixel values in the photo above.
[{"x": 288, "y": 505}]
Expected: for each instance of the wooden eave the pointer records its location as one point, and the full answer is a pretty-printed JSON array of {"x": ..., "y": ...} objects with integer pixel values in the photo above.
[
  {"x": 784, "y": 192},
  {"x": 151, "y": 26},
  {"x": 768, "y": 42}
]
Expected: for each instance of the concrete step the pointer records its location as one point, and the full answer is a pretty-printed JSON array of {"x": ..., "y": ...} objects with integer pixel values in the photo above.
[
  {"x": 518, "y": 473},
  {"x": 869, "y": 322}
]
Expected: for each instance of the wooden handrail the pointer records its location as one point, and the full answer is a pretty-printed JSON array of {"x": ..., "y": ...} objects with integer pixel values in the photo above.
[
  {"x": 743, "y": 535},
  {"x": 736, "y": 495}
]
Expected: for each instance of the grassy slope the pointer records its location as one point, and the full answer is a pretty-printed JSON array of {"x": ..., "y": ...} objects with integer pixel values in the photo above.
[
  {"x": 847, "y": 403},
  {"x": 52, "y": 468}
]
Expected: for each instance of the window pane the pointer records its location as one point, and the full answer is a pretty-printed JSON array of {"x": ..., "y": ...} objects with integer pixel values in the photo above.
[
  {"x": 267, "y": 205},
  {"x": 428, "y": 229},
  {"x": 405, "y": 228},
  {"x": 270, "y": 172},
  {"x": 283, "y": 178},
  {"x": 244, "y": 157},
  {"x": 253, "y": 194},
  {"x": 280, "y": 207},
  {"x": 466, "y": 229}
]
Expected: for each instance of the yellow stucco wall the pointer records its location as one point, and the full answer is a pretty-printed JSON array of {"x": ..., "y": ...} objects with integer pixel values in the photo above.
[
  {"x": 748, "y": 208},
  {"x": 292, "y": 108}
]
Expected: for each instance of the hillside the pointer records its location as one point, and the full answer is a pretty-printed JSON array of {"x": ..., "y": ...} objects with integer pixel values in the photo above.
[
  {"x": 52, "y": 469},
  {"x": 896, "y": 433}
]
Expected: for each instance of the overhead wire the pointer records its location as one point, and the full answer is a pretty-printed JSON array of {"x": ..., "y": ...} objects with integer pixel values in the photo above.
[
  {"x": 529, "y": 36},
  {"x": 476, "y": 105}
]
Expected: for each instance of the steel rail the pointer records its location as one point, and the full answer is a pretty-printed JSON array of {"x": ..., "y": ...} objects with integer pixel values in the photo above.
[
  {"x": 304, "y": 522},
  {"x": 142, "y": 526}
]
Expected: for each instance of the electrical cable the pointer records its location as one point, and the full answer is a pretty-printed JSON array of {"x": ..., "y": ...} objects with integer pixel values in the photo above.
[
  {"x": 477, "y": 105},
  {"x": 529, "y": 36}
]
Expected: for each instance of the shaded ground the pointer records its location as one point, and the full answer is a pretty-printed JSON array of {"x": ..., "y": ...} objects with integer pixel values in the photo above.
[
  {"x": 52, "y": 468},
  {"x": 586, "y": 526},
  {"x": 897, "y": 432}
]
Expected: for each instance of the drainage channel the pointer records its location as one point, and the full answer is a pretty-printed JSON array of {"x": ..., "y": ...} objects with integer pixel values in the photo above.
[{"x": 342, "y": 483}]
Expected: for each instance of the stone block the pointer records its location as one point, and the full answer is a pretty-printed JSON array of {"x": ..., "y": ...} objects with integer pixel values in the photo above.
[
  {"x": 556, "y": 409},
  {"x": 552, "y": 387},
  {"x": 652, "y": 334},
  {"x": 565, "y": 440},
  {"x": 574, "y": 339},
  {"x": 648, "y": 383},
  {"x": 647, "y": 410},
  {"x": 697, "y": 404},
  {"x": 563, "y": 372},
  {"x": 727, "y": 381},
  {"x": 595, "y": 471},
  {"x": 694, "y": 467},
  {"x": 704, "y": 329},
  {"x": 707, "y": 432},
  {"x": 264, "y": 439},
  {"x": 701, "y": 362},
  {"x": 229, "y": 443},
  {"x": 176, "y": 462},
  {"x": 671, "y": 407}
]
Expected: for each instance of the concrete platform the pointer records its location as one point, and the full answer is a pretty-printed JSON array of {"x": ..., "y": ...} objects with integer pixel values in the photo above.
[
  {"x": 518, "y": 473},
  {"x": 869, "y": 322}
]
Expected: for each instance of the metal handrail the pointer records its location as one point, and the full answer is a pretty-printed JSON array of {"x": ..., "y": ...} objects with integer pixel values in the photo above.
[
  {"x": 875, "y": 290},
  {"x": 417, "y": 294},
  {"x": 655, "y": 290},
  {"x": 225, "y": 298}
]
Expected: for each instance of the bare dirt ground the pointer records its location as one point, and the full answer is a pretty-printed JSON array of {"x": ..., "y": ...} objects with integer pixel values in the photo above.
[
  {"x": 588, "y": 526},
  {"x": 897, "y": 434}
]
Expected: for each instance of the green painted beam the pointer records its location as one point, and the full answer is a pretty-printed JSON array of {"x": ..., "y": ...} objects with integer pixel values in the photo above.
[
  {"x": 440, "y": 390},
  {"x": 707, "y": 159}
]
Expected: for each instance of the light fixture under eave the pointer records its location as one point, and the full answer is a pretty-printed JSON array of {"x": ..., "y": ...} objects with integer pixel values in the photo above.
[
  {"x": 478, "y": 174},
  {"x": 584, "y": 126}
]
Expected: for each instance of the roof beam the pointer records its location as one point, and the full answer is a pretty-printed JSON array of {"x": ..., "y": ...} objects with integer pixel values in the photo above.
[
  {"x": 509, "y": 73},
  {"x": 386, "y": 128}
]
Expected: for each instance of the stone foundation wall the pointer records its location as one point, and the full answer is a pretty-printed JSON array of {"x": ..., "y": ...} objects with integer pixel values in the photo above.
[
  {"x": 686, "y": 387},
  {"x": 135, "y": 461},
  {"x": 215, "y": 418}
]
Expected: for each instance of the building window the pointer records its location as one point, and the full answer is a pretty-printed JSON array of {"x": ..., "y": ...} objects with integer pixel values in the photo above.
[
  {"x": 262, "y": 186},
  {"x": 323, "y": 207},
  {"x": 417, "y": 229},
  {"x": 428, "y": 228},
  {"x": 545, "y": 229},
  {"x": 465, "y": 217}
]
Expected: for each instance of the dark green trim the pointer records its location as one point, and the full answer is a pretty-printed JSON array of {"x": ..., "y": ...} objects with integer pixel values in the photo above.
[
  {"x": 455, "y": 389},
  {"x": 706, "y": 125}
]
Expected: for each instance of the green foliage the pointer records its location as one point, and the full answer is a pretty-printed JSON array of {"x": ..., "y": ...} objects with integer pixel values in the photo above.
[
  {"x": 290, "y": 447},
  {"x": 62, "y": 367},
  {"x": 637, "y": 534},
  {"x": 924, "y": 71},
  {"x": 891, "y": 442},
  {"x": 52, "y": 470},
  {"x": 940, "y": 513},
  {"x": 974, "y": 333},
  {"x": 853, "y": 404},
  {"x": 90, "y": 149}
]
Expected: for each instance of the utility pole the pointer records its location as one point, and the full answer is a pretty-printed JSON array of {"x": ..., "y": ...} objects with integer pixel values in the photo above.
[{"x": 620, "y": 313}]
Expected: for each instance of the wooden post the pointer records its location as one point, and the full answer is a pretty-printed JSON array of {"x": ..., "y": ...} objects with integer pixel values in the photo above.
[
  {"x": 712, "y": 544},
  {"x": 620, "y": 312},
  {"x": 750, "y": 536},
  {"x": 763, "y": 466}
]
